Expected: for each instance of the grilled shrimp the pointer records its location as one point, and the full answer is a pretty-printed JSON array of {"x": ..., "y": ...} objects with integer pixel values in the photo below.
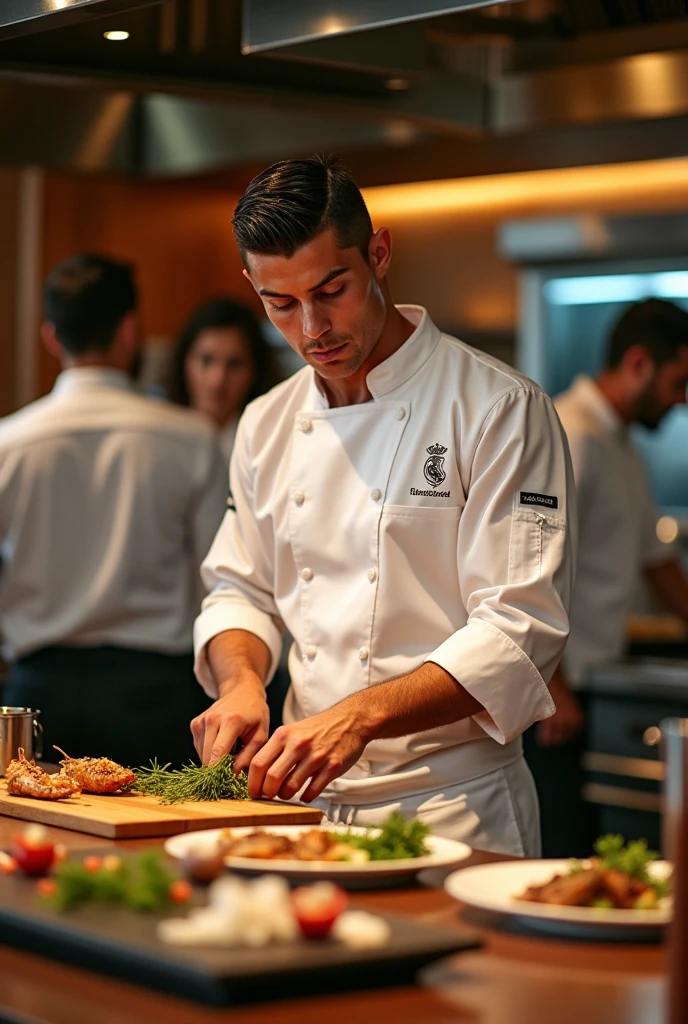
[
  {"x": 95, "y": 774},
  {"x": 24, "y": 778}
]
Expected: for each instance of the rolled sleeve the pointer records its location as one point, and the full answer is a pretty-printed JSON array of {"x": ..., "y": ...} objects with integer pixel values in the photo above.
[
  {"x": 239, "y": 575},
  {"x": 516, "y": 565},
  {"x": 514, "y": 697}
]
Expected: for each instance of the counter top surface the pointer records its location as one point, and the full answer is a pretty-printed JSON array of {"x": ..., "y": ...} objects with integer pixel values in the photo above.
[{"x": 516, "y": 978}]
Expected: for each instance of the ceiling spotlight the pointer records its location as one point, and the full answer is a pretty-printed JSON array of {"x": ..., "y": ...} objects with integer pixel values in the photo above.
[
  {"x": 116, "y": 37},
  {"x": 397, "y": 84}
]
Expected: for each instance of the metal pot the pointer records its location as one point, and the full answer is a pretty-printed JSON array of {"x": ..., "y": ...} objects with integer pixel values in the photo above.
[{"x": 19, "y": 728}]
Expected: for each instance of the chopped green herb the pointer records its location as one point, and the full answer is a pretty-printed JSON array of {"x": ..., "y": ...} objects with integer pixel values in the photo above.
[{"x": 192, "y": 782}]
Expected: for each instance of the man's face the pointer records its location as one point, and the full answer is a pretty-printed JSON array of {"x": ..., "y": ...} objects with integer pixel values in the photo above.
[
  {"x": 666, "y": 389},
  {"x": 326, "y": 301}
]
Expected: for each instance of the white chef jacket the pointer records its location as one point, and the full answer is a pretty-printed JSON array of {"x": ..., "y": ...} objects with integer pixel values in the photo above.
[
  {"x": 226, "y": 436},
  {"x": 108, "y": 503},
  {"x": 429, "y": 524},
  {"x": 616, "y": 527}
]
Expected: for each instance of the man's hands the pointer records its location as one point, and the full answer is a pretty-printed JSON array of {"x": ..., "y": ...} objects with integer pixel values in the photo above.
[
  {"x": 320, "y": 748},
  {"x": 240, "y": 714}
]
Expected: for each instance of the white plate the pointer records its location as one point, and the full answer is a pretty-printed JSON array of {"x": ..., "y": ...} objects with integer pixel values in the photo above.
[
  {"x": 443, "y": 853},
  {"x": 494, "y": 886}
]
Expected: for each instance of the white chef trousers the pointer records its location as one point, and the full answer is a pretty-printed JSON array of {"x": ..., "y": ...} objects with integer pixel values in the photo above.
[{"x": 497, "y": 812}]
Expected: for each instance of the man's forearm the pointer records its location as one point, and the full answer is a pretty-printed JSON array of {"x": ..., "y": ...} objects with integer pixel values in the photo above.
[
  {"x": 425, "y": 699},
  {"x": 234, "y": 656}
]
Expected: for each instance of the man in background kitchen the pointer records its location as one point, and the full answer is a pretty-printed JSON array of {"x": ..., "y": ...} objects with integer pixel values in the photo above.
[
  {"x": 108, "y": 504},
  {"x": 645, "y": 376},
  {"x": 402, "y": 507}
]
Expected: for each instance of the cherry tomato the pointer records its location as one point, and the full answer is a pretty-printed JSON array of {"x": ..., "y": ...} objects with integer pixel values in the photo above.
[
  {"x": 317, "y": 907},
  {"x": 33, "y": 859},
  {"x": 60, "y": 851},
  {"x": 46, "y": 887},
  {"x": 92, "y": 863},
  {"x": 8, "y": 865},
  {"x": 181, "y": 891}
]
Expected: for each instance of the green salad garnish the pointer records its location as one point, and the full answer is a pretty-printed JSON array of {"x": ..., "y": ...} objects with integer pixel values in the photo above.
[
  {"x": 632, "y": 859},
  {"x": 398, "y": 839}
]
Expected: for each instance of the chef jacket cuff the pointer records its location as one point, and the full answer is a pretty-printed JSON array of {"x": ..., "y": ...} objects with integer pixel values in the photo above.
[
  {"x": 493, "y": 669},
  {"x": 223, "y": 616}
]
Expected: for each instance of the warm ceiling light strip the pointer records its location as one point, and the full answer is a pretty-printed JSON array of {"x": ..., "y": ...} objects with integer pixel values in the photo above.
[{"x": 532, "y": 188}]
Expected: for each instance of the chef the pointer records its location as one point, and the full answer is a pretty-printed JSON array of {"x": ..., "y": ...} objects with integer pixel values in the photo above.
[
  {"x": 645, "y": 375},
  {"x": 402, "y": 505}
]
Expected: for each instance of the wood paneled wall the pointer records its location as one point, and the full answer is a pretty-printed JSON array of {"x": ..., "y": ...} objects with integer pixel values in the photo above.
[
  {"x": 9, "y": 228},
  {"x": 179, "y": 236}
]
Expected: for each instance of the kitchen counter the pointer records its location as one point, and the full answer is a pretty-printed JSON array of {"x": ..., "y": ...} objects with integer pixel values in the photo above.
[{"x": 516, "y": 978}]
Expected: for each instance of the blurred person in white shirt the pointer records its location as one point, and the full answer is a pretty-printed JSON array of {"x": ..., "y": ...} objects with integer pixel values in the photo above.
[
  {"x": 108, "y": 504},
  {"x": 645, "y": 376}
]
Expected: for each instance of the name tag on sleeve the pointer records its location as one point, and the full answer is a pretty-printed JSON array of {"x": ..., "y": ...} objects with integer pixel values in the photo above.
[{"x": 533, "y": 498}]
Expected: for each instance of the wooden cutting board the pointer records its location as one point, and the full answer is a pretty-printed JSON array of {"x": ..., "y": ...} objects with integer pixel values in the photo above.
[{"x": 130, "y": 816}]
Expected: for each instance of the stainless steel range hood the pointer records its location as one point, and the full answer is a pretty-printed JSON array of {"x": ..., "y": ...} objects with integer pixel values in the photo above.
[
  {"x": 456, "y": 86},
  {"x": 272, "y": 23},
  {"x": 19, "y": 17}
]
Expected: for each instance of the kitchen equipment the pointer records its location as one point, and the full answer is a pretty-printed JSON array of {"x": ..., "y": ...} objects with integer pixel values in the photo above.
[
  {"x": 675, "y": 827},
  {"x": 19, "y": 727},
  {"x": 131, "y": 815}
]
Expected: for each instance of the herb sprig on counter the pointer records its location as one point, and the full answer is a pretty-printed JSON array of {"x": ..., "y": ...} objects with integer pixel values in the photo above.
[
  {"x": 192, "y": 782},
  {"x": 397, "y": 839}
]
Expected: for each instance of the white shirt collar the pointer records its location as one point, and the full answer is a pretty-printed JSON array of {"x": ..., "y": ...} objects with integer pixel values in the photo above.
[
  {"x": 403, "y": 363},
  {"x": 408, "y": 359},
  {"x": 588, "y": 393},
  {"x": 78, "y": 377}
]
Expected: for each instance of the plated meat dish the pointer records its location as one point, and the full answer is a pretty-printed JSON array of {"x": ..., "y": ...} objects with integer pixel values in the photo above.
[
  {"x": 316, "y": 844},
  {"x": 395, "y": 839},
  {"x": 593, "y": 887},
  {"x": 618, "y": 878}
]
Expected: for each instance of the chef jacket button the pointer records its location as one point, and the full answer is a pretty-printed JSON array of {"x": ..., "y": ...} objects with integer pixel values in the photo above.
[
  {"x": 376, "y": 494},
  {"x": 299, "y": 497},
  {"x": 311, "y": 652},
  {"x": 306, "y": 425},
  {"x": 306, "y": 574},
  {"x": 363, "y": 653},
  {"x": 401, "y": 412},
  {"x": 364, "y": 765},
  {"x": 372, "y": 575}
]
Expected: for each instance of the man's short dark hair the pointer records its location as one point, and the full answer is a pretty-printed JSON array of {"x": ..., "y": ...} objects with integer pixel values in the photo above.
[
  {"x": 86, "y": 297},
  {"x": 292, "y": 202},
  {"x": 659, "y": 326}
]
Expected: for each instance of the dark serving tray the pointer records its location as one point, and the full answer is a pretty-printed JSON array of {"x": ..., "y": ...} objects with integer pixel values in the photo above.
[{"x": 124, "y": 944}]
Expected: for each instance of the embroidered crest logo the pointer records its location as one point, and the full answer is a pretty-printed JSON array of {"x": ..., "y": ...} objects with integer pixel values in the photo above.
[{"x": 433, "y": 470}]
